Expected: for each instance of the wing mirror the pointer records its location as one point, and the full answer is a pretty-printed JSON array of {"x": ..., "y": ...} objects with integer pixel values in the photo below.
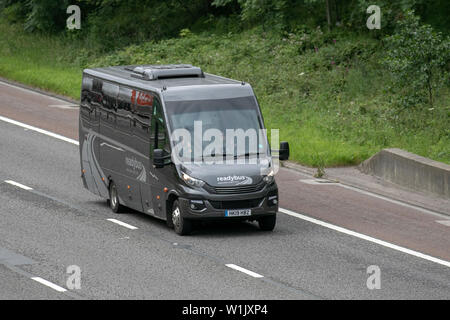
[{"x": 284, "y": 150}]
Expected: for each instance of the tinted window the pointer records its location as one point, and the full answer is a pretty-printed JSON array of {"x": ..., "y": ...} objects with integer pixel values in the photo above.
[{"x": 160, "y": 138}]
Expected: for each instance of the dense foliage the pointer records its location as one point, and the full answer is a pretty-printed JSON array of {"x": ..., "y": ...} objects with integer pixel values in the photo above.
[
  {"x": 417, "y": 56},
  {"x": 154, "y": 19},
  {"x": 338, "y": 91}
]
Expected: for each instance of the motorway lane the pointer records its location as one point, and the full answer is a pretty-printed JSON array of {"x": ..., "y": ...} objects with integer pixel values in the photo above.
[
  {"x": 58, "y": 224},
  {"x": 115, "y": 264},
  {"x": 287, "y": 257},
  {"x": 371, "y": 216}
]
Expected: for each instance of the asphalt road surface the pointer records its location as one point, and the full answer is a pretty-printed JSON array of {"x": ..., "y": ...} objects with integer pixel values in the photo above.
[{"x": 326, "y": 236}]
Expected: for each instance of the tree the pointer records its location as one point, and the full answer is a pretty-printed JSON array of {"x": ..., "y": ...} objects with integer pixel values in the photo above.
[
  {"x": 263, "y": 11},
  {"x": 417, "y": 56}
]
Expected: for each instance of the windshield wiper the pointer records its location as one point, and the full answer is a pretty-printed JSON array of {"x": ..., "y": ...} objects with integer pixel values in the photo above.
[
  {"x": 228, "y": 155},
  {"x": 214, "y": 155},
  {"x": 247, "y": 154}
]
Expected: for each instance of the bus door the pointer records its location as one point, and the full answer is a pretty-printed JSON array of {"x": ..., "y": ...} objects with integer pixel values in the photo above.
[
  {"x": 142, "y": 117},
  {"x": 159, "y": 178}
]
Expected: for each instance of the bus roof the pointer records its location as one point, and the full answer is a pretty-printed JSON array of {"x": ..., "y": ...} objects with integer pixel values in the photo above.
[{"x": 176, "y": 82}]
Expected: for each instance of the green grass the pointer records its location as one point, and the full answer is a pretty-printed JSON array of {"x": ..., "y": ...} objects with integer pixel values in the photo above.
[
  {"x": 39, "y": 61},
  {"x": 331, "y": 104}
]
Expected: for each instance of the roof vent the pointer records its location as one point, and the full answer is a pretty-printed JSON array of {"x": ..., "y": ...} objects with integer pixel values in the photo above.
[{"x": 155, "y": 72}]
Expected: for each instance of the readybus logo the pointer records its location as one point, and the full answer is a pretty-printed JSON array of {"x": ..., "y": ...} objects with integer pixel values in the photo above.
[
  {"x": 233, "y": 179},
  {"x": 134, "y": 164}
]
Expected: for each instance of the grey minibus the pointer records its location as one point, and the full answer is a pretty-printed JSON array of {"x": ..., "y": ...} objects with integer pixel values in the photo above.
[{"x": 130, "y": 120}]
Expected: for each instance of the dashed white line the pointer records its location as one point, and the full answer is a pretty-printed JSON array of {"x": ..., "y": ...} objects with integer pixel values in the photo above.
[
  {"x": 48, "y": 133},
  {"x": 123, "y": 224},
  {"x": 49, "y": 284},
  {"x": 18, "y": 185},
  {"x": 364, "y": 237},
  {"x": 250, "y": 273},
  {"x": 444, "y": 222}
]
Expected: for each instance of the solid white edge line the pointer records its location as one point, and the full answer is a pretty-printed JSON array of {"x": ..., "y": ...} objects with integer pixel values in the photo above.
[
  {"x": 250, "y": 273},
  {"x": 18, "y": 185},
  {"x": 364, "y": 237},
  {"x": 48, "y": 133},
  {"x": 49, "y": 284},
  {"x": 123, "y": 224}
]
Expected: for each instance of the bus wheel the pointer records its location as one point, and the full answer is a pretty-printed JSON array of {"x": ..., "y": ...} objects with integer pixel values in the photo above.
[
  {"x": 181, "y": 225},
  {"x": 267, "y": 223},
  {"x": 114, "y": 203}
]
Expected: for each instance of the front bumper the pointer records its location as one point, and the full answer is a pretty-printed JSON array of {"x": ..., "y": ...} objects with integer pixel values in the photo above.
[{"x": 213, "y": 206}]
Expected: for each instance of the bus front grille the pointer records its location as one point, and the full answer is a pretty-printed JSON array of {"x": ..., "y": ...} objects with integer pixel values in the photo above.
[{"x": 238, "y": 189}]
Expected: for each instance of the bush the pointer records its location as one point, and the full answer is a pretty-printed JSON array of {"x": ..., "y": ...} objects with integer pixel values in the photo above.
[
  {"x": 124, "y": 22},
  {"x": 14, "y": 12},
  {"x": 47, "y": 16},
  {"x": 417, "y": 56}
]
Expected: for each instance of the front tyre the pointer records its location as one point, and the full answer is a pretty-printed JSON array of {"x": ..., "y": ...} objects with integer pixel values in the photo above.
[
  {"x": 267, "y": 223},
  {"x": 182, "y": 226}
]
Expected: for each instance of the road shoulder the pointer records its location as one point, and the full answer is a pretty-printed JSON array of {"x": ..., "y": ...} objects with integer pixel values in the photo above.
[{"x": 352, "y": 177}]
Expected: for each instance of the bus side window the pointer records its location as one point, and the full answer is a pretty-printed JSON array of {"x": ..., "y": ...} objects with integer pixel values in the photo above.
[
  {"x": 110, "y": 93},
  {"x": 160, "y": 138}
]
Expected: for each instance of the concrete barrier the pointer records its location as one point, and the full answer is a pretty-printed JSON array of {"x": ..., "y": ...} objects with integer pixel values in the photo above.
[{"x": 409, "y": 170}]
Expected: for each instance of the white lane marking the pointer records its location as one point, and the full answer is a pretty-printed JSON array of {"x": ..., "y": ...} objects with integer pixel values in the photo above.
[
  {"x": 444, "y": 222},
  {"x": 64, "y": 106},
  {"x": 250, "y": 273},
  {"x": 18, "y": 185},
  {"x": 123, "y": 224},
  {"x": 49, "y": 284},
  {"x": 367, "y": 193},
  {"x": 48, "y": 133},
  {"x": 364, "y": 237},
  {"x": 32, "y": 91}
]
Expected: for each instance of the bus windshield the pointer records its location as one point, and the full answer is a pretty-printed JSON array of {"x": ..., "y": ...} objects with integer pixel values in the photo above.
[{"x": 230, "y": 127}]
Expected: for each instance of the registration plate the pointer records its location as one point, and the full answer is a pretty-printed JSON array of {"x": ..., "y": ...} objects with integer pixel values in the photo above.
[{"x": 238, "y": 213}]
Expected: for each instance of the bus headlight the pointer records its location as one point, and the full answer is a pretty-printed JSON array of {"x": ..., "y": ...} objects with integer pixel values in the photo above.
[
  {"x": 269, "y": 178},
  {"x": 190, "y": 181}
]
